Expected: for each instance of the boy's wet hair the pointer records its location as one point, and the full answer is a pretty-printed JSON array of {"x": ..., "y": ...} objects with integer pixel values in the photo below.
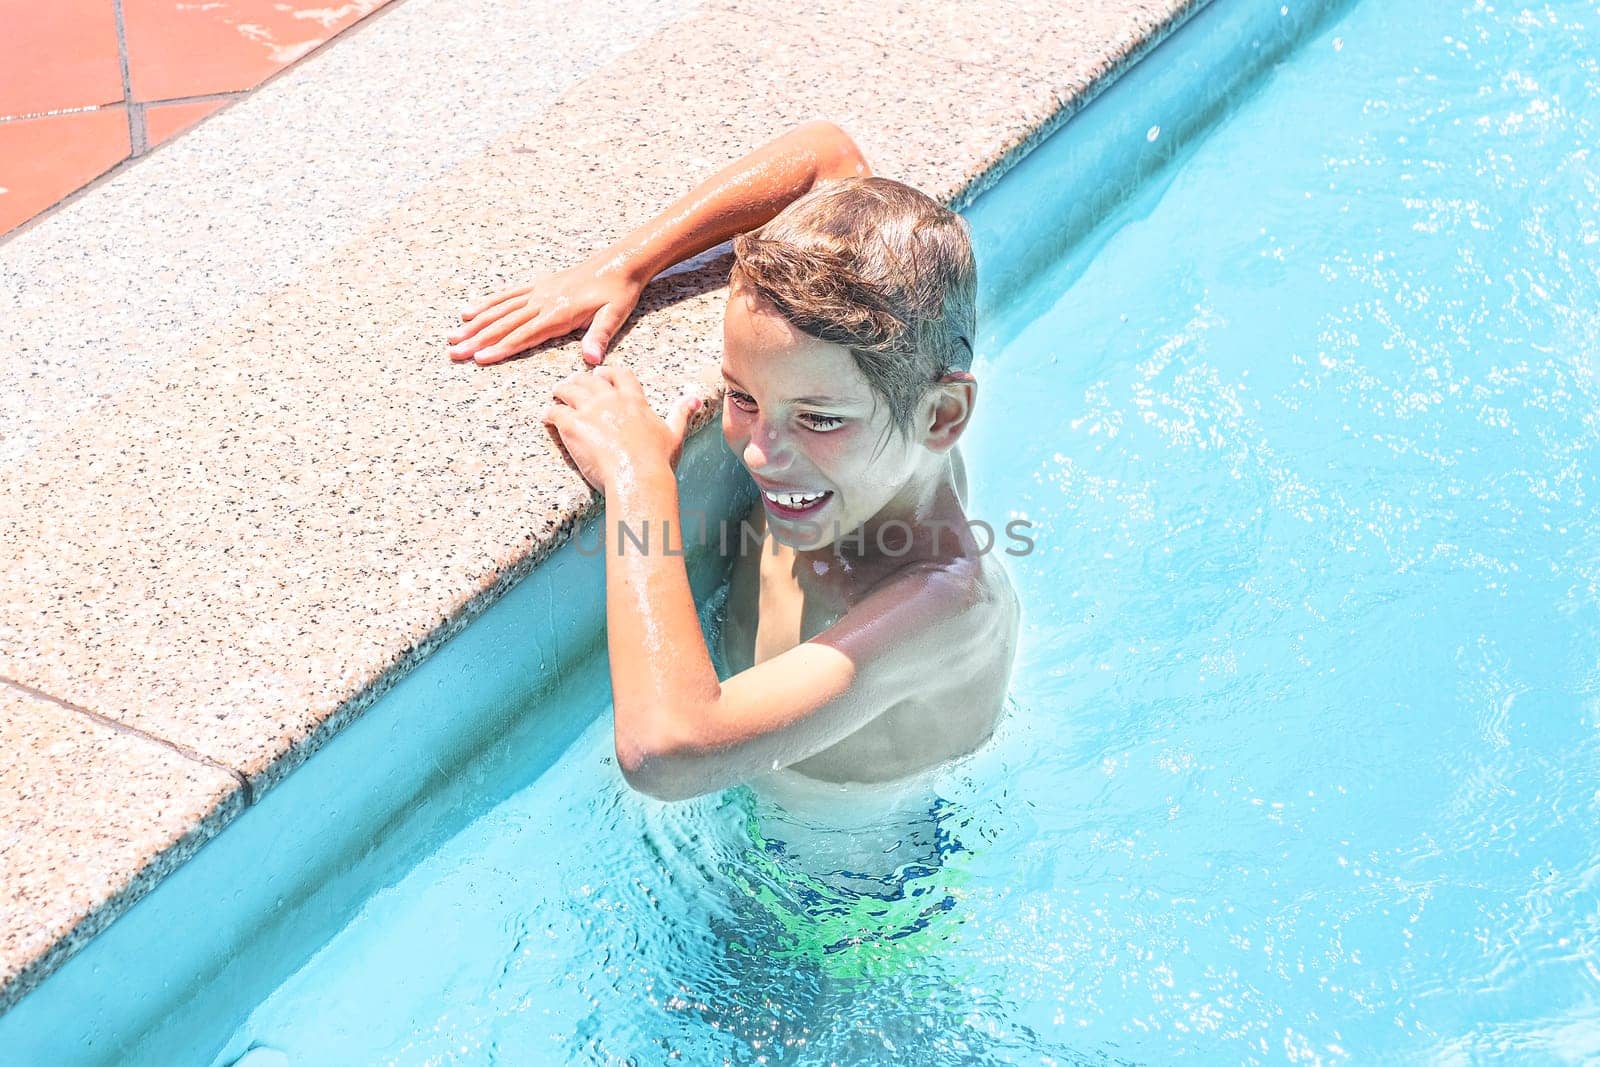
[{"x": 879, "y": 268}]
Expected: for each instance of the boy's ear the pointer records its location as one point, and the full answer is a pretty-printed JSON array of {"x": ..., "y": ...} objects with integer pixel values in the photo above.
[{"x": 953, "y": 398}]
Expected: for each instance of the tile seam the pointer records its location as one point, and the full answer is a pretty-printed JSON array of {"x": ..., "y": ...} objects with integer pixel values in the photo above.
[
  {"x": 134, "y": 731},
  {"x": 136, "y": 134},
  {"x": 26, "y": 115},
  {"x": 198, "y": 98}
]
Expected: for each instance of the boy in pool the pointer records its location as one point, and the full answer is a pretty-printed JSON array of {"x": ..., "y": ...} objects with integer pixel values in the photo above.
[{"x": 871, "y": 635}]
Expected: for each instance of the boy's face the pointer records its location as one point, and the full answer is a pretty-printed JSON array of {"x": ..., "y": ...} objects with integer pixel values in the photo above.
[{"x": 808, "y": 426}]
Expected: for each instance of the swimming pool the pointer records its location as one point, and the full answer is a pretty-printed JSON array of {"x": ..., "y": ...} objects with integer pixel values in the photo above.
[{"x": 1301, "y": 759}]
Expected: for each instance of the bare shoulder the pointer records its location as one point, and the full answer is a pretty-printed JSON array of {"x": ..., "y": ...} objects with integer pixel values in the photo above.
[
  {"x": 979, "y": 641},
  {"x": 962, "y": 583},
  {"x": 962, "y": 695},
  {"x": 965, "y": 604},
  {"x": 952, "y": 627}
]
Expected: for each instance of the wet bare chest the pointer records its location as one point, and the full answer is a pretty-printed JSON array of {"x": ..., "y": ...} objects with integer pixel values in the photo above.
[{"x": 772, "y": 607}]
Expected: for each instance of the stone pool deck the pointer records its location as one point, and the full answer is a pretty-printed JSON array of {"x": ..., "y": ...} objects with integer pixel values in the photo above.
[{"x": 245, "y": 489}]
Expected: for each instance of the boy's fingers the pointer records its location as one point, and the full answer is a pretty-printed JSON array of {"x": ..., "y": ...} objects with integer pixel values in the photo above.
[
  {"x": 499, "y": 298},
  {"x": 607, "y": 321},
  {"x": 496, "y": 315},
  {"x": 495, "y": 331},
  {"x": 573, "y": 388},
  {"x": 678, "y": 418},
  {"x": 487, "y": 314},
  {"x": 614, "y": 369},
  {"x": 555, "y": 414},
  {"x": 521, "y": 339},
  {"x": 628, "y": 380},
  {"x": 618, "y": 374}
]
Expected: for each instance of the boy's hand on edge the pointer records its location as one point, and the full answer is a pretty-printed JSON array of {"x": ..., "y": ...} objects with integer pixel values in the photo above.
[
  {"x": 599, "y": 295},
  {"x": 606, "y": 424}
]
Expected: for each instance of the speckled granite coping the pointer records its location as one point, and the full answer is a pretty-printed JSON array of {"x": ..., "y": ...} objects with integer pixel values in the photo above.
[{"x": 232, "y": 521}]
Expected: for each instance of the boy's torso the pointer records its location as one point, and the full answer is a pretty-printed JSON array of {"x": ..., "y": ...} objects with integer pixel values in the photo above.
[{"x": 775, "y": 603}]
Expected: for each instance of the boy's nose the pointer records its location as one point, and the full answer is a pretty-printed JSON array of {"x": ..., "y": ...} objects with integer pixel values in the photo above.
[{"x": 764, "y": 451}]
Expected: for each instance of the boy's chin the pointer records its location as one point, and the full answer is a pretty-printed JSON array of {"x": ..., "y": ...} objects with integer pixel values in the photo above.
[{"x": 801, "y": 536}]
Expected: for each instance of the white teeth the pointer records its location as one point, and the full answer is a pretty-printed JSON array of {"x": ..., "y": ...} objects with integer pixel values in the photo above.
[{"x": 795, "y": 500}]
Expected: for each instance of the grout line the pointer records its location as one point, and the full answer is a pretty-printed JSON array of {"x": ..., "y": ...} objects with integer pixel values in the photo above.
[
  {"x": 58, "y": 111},
  {"x": 136, "y": 134},
  {"x": 198, "y": 98},
  {"x": 182, "y": 750}
]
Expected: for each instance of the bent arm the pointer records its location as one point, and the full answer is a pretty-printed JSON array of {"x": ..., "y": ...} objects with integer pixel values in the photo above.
[
  {"x": 680, "y": 732},
  {"x": 740, "y": 197},
  {"x": 602, "y": 291},
  {"x": 659, "y": 659}
]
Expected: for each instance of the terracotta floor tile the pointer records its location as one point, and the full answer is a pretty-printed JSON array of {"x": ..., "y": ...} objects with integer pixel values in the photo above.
[
  {"x": 42, "y": 160},
  {"x": 58, "y": 54},
  {"x": 190, "y": 49},
  {"x": 162, "y": 121}
]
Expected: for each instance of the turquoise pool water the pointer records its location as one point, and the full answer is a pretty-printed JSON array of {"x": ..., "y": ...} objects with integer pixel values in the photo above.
[{"x": 1303, "y": 757}]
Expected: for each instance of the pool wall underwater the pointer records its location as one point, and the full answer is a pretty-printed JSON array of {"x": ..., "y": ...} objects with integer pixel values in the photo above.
[{"x": 169, "y": 980}]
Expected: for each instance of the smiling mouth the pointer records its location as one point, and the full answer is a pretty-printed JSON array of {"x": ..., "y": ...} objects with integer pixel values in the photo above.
[{"x": 795, "y": 505}]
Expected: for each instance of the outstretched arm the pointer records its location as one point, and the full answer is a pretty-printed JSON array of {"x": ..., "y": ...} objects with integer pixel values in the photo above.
[{"x": 603, "y": 290}]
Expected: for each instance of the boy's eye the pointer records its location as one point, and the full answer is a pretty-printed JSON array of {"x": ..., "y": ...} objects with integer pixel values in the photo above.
[
  {"x": 821, "y": 423},
  {"x": 810, "y": 419}
]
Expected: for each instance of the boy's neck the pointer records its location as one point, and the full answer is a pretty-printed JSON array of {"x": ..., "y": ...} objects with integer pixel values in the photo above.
[{"x": 927, "y": 509}]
